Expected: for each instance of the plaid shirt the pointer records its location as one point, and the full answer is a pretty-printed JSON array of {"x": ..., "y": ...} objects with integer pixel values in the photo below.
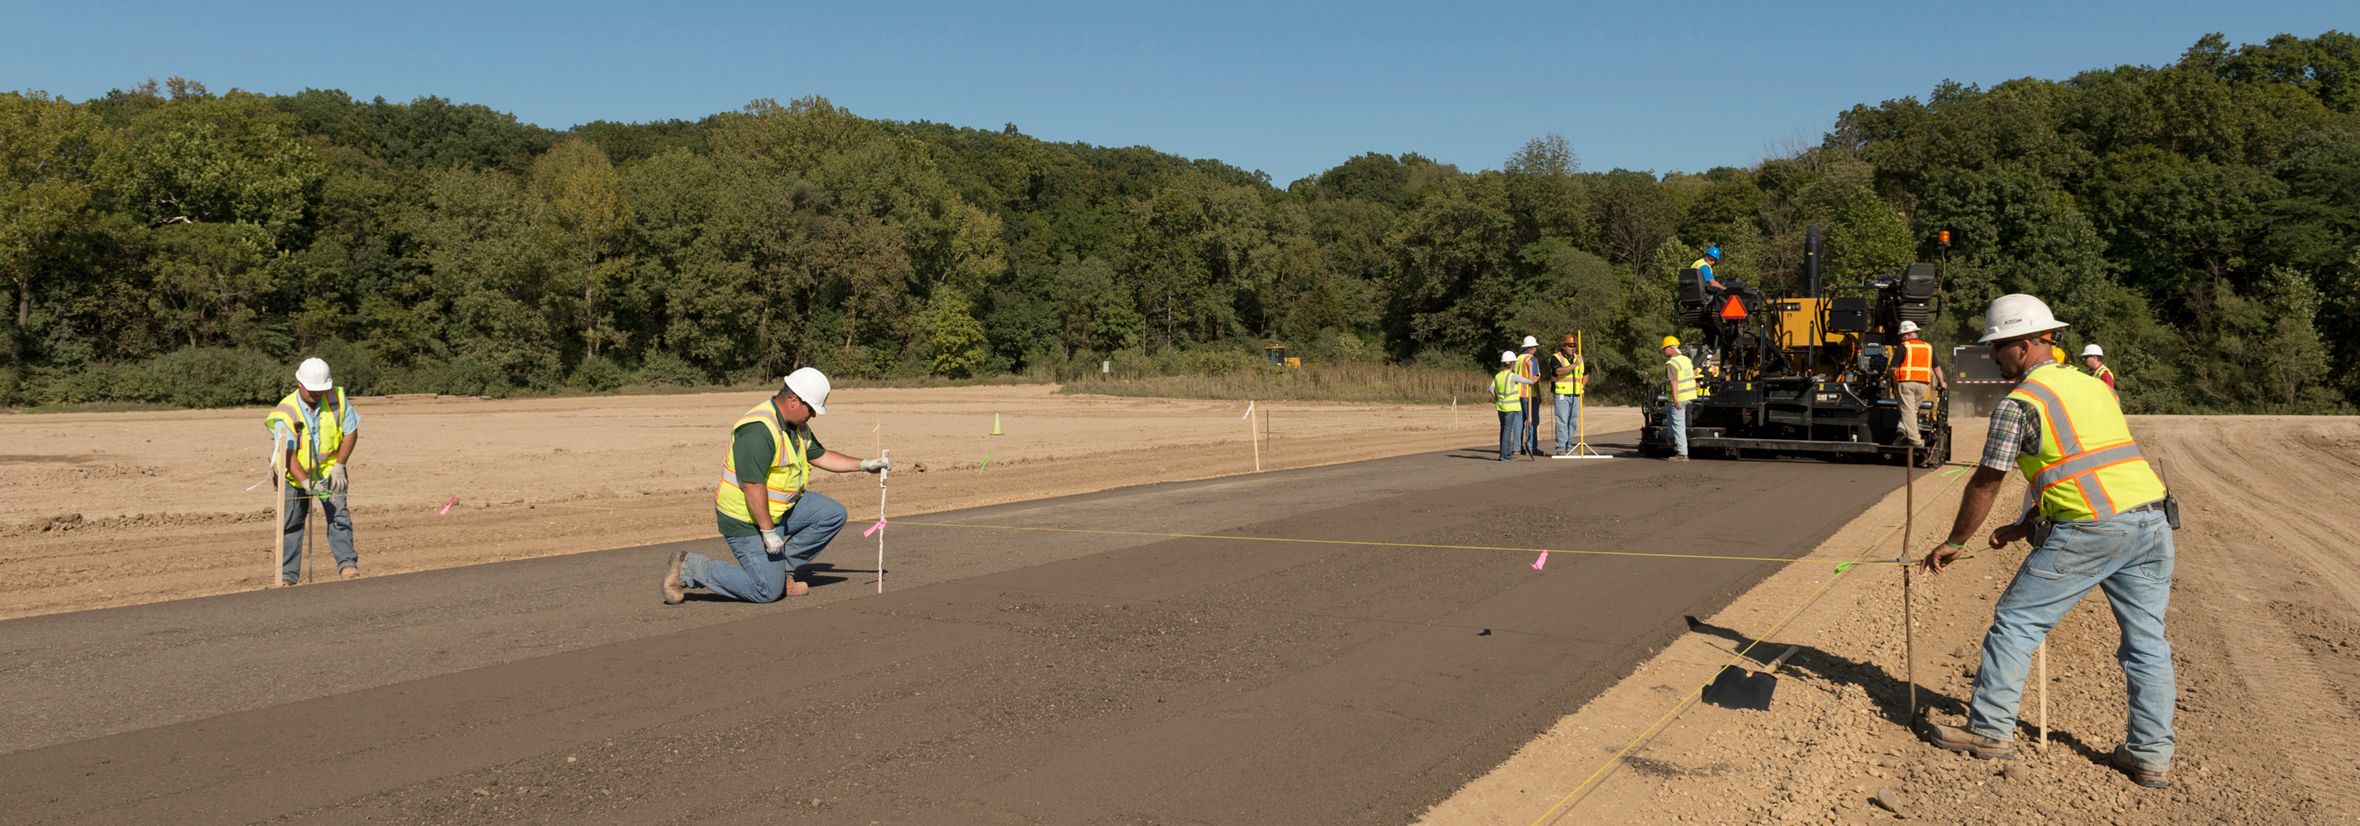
[{"x": 2015, "y": 431}]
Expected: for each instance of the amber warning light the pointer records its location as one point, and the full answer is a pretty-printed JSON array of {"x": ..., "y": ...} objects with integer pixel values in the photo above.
[{"x": 1943, "y": 237}]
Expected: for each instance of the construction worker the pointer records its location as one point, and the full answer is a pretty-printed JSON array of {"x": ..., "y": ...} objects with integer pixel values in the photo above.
[
  {"x": 1914, "y": 376},
  {"x": 1571, "y": 377},
  {"x": 1528, "y": 368},
  {"x": 1507, "y": 398},
  {"x": 1704, "y": 267},
  {"x": 313, "y": 431},
  {"x": 773, "y": 524},
  {"x": 2107, "y": 528},
  {"x": 1679, "y": 390},
  {"x": 2094, "y": 358}
]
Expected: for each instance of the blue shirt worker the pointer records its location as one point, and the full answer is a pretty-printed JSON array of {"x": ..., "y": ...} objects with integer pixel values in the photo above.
[
  {"x": 313, "y": 432},
  {"x": 1704, "y": 267},
  {"x": 2108, "y": 529},
  {"x": 772, "y": 523}
]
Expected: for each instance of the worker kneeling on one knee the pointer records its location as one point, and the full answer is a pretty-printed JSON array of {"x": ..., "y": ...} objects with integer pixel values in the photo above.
[
  {"x": 2108, "y": 515},
  {"x": 773, "y": 524}
]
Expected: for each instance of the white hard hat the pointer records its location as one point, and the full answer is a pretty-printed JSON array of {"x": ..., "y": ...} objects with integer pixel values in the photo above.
[
  {"x": 1507, "y": 357},
  {"x": 1529, "y": 341},
  {"x": 811, "y": 386},
  {"x": 313, "y": 375},
  {"x": 2093, "y": 350},
  {"x": 1909, "y": 327},
  {"x": 2016, "y": 315}
]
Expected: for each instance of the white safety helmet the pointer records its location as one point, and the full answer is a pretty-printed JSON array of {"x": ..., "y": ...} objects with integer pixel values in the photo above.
[
  {"x": 1909, "y": 327},
  {"x": 2093, "y": 350},
  {"x": 811, "y": 386},
  {"x": 313, "y": 375},
  {"x": 2017, "y": 315},
  {"x": 1507, "y": 357},
  {"x": 1529, "y": 341}
]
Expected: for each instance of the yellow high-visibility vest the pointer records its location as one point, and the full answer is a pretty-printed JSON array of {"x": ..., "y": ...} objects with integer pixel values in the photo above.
[
  {"x": 790, "y": 469},
  {"x": 2088, "y": 467},
  {"x": 1916, "y": 363},
  {"x": 315, "y": 452},
  {"x": 1571, "y": 384},
  {"x": 1503, "y": 393},
  {"x": 1683, "y": 379},
  {"x": 1530, "y": 368}
]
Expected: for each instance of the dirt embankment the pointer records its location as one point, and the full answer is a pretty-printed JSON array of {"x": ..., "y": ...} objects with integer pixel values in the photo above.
[
  {"x": 2264, "y": 622},
  {"x": 99, "y": 510}
]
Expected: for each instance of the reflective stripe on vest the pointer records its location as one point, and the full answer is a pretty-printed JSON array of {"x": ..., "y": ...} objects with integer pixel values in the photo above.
[
  {"x": 2088, "y": 467},
  {"x": 1571, "y": 384},
  {"x": 1528, "y": 367},
  {"x": 788, "y": 464},
  {"x": 1684, "y": 379},
  {"x": 1917, "y": 363},
  {"x": 1503, "y": 393},
  {"x": 316, "y": 451}
]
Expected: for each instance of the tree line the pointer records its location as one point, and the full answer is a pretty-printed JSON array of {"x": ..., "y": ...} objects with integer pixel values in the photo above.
[{"x": 166, "y": 244}]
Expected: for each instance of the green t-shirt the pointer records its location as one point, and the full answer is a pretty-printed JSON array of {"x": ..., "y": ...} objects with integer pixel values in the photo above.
[{"x": 753, "y": 450}]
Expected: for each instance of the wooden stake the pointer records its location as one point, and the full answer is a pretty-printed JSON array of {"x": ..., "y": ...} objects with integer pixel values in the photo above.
[
  {"x": 2041, "y": 656},
  {"x": 278, "y": 525},
  {"x": 882, "y": 453},
  {"x": 1254, "y": 437},
  {"x": 1908, "y": 531}
]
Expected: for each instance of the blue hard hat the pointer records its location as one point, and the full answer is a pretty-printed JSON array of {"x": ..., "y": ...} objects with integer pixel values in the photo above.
[{"x": 1713, "y": 253}]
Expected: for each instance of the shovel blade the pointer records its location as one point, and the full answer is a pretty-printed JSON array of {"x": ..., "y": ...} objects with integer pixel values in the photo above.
[{"x": 1738, "y": 688}]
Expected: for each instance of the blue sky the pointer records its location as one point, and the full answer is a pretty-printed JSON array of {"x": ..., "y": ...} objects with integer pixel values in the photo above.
[{"x": 1286, "y": 88}]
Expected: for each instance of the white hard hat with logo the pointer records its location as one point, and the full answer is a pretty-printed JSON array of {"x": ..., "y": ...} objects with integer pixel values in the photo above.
[
  {"x": 1529, "y": 341},
  {"x": 1909, "y": 327},
  {"x": 313, "y": 375},
  {"x": 2093, "y": 350},
  {"x": 811, "y": 386},
  {"x": 2017, "y": 315}
]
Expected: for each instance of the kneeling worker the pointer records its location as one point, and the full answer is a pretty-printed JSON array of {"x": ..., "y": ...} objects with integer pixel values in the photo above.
[{"x": 772, "y": 523}]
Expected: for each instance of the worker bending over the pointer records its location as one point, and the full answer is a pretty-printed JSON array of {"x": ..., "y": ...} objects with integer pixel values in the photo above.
[
  {"x": 1507, "y": 398},
  {"x": 2106, "y": 508},
  {"x": 313, "y": 432},
  {"x": 2094, "y": 358},
  {"x": 1679, "y": 390},
  {"x": 773, "y": 524},
  {"x": 1571, "y": 377},
  {"x": 1914, "y": 377}
]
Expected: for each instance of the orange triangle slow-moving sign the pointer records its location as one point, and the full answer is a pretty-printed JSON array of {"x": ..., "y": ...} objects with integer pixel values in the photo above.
[{"x": 1733, "y": 309}]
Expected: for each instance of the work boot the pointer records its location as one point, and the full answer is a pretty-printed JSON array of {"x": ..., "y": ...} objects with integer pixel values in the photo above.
[
  {"x": 288, "y": 583},
  {"x": 349, "y": 572},
  {"x": 1677, "y": 457},
  {"x": 796, "y": 589},
  {"x": 2150, "y": 778},
  {"x": 1969, "y": 743},
  {"x": 674, "y": 592}
]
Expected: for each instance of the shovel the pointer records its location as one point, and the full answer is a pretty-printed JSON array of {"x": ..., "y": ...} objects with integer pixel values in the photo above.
[{"x": 1734, "y": 687}]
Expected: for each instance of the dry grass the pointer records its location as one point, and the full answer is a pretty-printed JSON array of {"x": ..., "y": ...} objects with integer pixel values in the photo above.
[{"x": 1313, "y": 382}]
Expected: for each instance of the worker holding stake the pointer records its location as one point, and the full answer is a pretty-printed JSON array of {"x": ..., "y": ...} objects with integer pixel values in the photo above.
[
  {"x": 773, "y": 524},
  {"x": 1528, "y": 379},
  {"x": 314, "y": 430},
  {"x": 2066, "y": 433}
]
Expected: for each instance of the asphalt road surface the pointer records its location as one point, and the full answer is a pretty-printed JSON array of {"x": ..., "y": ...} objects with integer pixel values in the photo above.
[{"x": 1004, "y": 677}]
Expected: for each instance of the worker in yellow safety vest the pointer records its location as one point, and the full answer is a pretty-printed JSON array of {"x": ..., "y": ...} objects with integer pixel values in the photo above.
[
  {"x": 1507, "y": 397},
  {"x": 313, "y": 432},
  {"x": 1528, "y": 367},
  {"x": 2108, "y": 525},
  {"x": 2094, "y": 358},
  {"x": 1571, "y": 377},
  {"x": 772, "y": 523},
  {"x": 1704, "y": 268},
  {"x": 1680, "y": 389},
  {"x": 1914, "y": 378}
]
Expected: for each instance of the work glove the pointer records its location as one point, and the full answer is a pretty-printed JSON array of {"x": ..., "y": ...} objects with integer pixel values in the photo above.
[
  {"x": 337, "y": 481},
  {"x": 774, "y": 542},
  {"x": 876, "y": 465}
]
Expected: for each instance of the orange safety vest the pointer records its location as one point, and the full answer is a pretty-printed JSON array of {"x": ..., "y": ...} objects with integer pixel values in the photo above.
[
  {"x": 1916, "y": 363},
  {"x": 1528, "y": 367}
]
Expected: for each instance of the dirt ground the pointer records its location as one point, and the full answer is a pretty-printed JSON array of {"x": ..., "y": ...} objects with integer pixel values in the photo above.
[
  {"x": 109, "y": 509},
  {"x": 2264, "y": 622}
]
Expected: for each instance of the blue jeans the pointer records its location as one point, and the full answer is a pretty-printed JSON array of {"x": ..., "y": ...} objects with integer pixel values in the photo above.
[
  {"x": 756, "y": 576},
  {"x": 1675, "y": 419},
  {"x": 2130, "y": 556},
  {"x": 299, "y": 511},
  {"x": 1569, "y": 409},
  {"x": 1532, "y": 424},
  {"x": 1511, "y": 432}
]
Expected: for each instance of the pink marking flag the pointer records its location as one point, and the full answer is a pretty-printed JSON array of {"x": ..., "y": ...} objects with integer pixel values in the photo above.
[
  {"x": 873, "y": 529},
  {"x": 446, "y": 510},
  {"x": 1543, "y": 560}
]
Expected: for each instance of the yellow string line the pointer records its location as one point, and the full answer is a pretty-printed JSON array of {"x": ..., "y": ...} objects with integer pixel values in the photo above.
[
  {"x": 1380, "y": 544},
  {"x": 1554, "y": 812}
]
